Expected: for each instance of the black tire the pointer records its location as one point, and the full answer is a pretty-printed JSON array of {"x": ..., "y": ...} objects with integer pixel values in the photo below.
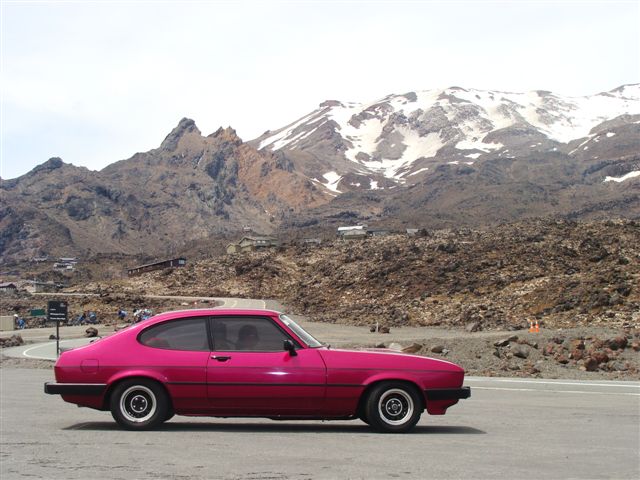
[
  {"x": 393, "y": 407},
  {"x": 170, "y": 414},
  {"x": 139, "y": 404}
]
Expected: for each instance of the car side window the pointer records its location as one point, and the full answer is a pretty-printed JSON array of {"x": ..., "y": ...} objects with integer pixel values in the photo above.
[
  {"x": 251, "y": 334},
  {"x": 189, "y": 334}
]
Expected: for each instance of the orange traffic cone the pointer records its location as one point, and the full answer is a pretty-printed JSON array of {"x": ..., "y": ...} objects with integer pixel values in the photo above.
[
  {"x": 537, "y": 327},
  {"x": 531, "y": 327}
]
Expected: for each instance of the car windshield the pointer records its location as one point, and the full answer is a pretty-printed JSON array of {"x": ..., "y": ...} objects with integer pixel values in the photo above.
[{"x": 300, "y": 332}]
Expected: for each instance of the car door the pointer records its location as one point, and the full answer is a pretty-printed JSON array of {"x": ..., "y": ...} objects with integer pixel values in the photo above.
[
  {"x": 250, "y": 373},
  {"x": 179, "y": 350}
]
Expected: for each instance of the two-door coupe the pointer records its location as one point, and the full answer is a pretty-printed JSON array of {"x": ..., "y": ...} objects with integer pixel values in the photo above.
[{"x": 249, "y": 363}]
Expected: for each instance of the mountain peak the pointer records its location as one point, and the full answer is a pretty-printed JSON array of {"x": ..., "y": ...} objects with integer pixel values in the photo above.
[
  {"x": 52, "y": 164},
  {"x": 186, "y": 125},
  {"x": 226, "y": 134},
  {"x": 331, "y": 103}
]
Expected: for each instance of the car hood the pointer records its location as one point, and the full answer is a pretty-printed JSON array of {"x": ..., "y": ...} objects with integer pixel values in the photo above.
[{"x": 383, "y": 358}]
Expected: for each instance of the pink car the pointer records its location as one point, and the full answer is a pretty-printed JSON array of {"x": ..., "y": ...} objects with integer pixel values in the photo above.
[{"x": 249, "y": 363}]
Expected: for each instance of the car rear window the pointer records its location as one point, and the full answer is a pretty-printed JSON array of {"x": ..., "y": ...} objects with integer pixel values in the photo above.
[{"x": 189, "y": 334}]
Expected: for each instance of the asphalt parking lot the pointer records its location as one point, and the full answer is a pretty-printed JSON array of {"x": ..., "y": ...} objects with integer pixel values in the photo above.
[{"x": 509, "y": 428}]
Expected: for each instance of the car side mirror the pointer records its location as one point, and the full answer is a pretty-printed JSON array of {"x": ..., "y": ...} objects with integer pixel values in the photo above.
[{"x": 290, "y": 347}]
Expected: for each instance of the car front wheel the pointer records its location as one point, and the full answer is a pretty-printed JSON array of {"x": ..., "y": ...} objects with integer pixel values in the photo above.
[
  {"x": 393, "y": 407},
  {"x": 139, "y": 404}
]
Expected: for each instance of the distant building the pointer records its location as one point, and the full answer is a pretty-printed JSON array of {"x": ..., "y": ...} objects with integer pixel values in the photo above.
[
  {"x": 354, "y": 235},
  {"x": 63, "y": 266},
  {"x": 7, "y": 287},
  {"x": 378, "y": 232},
  {"x": 34, "y": 286},
  {"x": 252, "y": 244},
  {"x": 343, "y": 230},
  {"x": 45, "y": 287},
  {"x": 312, "y": 241},
  {"x": 65, "y": 263},
  {"x": 172, "y": 263},
  {"x": 412, "y": 232}
]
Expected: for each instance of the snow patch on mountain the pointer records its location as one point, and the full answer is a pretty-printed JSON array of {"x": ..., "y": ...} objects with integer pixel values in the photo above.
[
  {"x": 474, "y": 143},
  {"x": 415, "y": 147},
  {"x": 420, "y": 146},
  {"x": 420, "y": 170},
  {"x": 364, "y": 139},
  {"x": 282, "y": 137},
  {"x": 635, "y": 173},
  {"x": 332, "y": 179}
]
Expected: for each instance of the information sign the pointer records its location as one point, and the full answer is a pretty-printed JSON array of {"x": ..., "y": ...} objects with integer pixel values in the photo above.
[{"x": 57, "y": 311}]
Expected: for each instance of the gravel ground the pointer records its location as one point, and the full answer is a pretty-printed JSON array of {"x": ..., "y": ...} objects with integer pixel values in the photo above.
[{"x": 10, "y": 362}]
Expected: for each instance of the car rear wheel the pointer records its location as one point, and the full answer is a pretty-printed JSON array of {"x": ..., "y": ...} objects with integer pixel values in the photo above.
[
  {"x": 393, "y": 407},
  {"x": 139, "y": 404}
]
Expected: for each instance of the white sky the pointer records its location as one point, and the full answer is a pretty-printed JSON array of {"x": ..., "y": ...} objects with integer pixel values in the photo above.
[{"x": 95, "y": 82}]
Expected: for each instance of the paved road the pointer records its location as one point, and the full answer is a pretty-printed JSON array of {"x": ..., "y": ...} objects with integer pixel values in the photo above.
[{"x": 510, "y": 428}]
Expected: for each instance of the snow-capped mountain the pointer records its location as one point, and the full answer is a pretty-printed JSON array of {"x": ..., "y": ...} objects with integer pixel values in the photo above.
[
  {"x": 401, "y": 139},
  {"x": 432, "y": 159}
]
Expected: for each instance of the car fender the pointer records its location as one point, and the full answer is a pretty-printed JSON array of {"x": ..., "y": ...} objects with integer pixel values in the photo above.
[
  {"x": 391, "y": 376},
  {"x": 121, "y": 376},
  {"x": 138, "y": 373},
  {"x": 394, "y": 376}
]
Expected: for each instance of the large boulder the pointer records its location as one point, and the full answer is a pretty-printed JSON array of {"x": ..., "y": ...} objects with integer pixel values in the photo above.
[
  {"x": 590, "y": 364},
  {"x": 414, "y": 348},
  {"x": 91, "y": 332},
  {"x": 12, "y": 341},
  {"x": 520, "y": 351},
  {"x": 617, "y": 343}
]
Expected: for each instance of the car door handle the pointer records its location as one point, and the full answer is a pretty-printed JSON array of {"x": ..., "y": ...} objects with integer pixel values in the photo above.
[{"x": 220, "y": 358}]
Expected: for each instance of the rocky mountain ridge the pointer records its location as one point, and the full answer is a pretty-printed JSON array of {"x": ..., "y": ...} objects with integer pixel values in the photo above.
[
  {"x": 190, "y": 187},
  {"x": 436, "y": 159}
]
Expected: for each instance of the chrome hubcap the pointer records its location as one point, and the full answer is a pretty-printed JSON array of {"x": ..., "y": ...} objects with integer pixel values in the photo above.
[
  {"x": 138, "y": 404},
  {"x": 395, "y": 406}
]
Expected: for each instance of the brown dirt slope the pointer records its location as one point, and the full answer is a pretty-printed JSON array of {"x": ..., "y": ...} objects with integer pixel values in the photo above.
[{"x": 561, "y": 273}]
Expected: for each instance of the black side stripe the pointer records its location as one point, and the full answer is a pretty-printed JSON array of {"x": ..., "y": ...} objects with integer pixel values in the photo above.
[{"x": 237, "y": 384}]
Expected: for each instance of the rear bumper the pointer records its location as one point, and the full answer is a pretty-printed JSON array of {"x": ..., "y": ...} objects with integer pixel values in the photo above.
[
  {"x": 448, "y": 393},
  {"x": 82, "y": 389}
]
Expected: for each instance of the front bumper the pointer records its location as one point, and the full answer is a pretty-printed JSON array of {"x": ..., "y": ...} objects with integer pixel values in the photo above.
[
  {"x": 448, "y": 393},
  {"x": 82, "y": 389}
]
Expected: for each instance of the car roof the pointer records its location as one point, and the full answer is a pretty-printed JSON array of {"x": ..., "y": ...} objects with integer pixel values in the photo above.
[{"x": 213, "y": 312}]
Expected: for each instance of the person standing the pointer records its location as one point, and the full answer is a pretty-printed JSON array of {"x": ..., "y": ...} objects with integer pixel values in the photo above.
[{"x": 19, "y": 321}]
